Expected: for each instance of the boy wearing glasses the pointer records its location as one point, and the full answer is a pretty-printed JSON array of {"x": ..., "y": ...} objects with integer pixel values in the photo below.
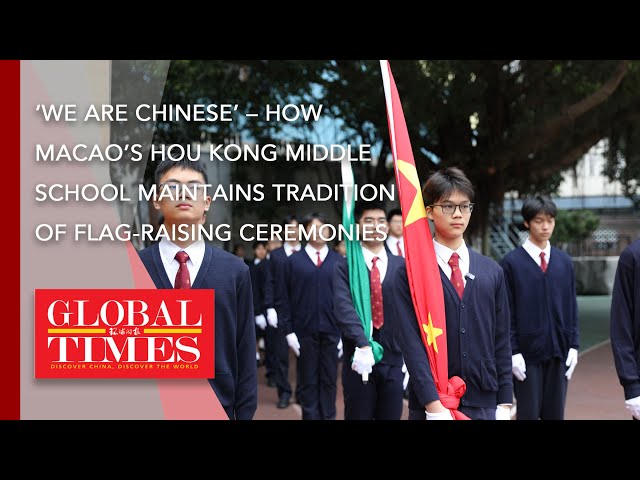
[
  {"x": 541, "y": 287},
  {"x": 476, "y": 309},
  {"x": 190, "y": 263}
]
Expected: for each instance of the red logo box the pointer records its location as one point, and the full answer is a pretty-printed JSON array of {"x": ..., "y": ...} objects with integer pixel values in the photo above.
[{"x": 124, "y": 333}]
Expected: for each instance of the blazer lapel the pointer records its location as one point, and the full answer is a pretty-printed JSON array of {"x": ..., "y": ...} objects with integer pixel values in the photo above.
[
  {"x": 204, "y": 268},
  {"x": 160, "y": 271},
  {"x": 446, "y": 283},
  {"x": 470, "y": 283}
]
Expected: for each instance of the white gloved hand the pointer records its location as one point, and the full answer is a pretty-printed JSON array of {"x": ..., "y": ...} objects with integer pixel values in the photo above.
[
  {"x": 572, "y": 361},
  {"x": 272, "y": 317},
  {"x": 518, "y": 367},
  {"x": 633, "y": 405},
  {"x": 405, "y": 380},
  {"x": 445, "y": 415},
  {"x": 503, "y": 413},
  {"x": 261, "y": 322},
  {"x": 340, "y": 349},
  {"x": 363, "y": 360},
  {"x": 294, "y": 344}
]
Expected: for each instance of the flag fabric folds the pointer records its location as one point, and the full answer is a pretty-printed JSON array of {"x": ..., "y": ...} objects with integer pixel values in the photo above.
[
  {"x": 358, "y": 271},
  {"x": 422, "y": 267}
]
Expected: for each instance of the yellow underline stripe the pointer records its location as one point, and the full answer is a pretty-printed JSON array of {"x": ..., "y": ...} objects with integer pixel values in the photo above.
[
  {"x": 76, "y": 330},
  {"x": 173, "y": 330}
]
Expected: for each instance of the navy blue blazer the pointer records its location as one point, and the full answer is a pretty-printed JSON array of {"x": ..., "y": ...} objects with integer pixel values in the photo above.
[
  {"x": 236, "y": 381},
  {"x": 260, "y": 279},
  {"x": 543, "y": 306},
  {"x": 307, "y": 295},
  {"x": 478, "y": 337},
  {"x": 349, "y": 322},
  {"x": 625, "y": 320}
]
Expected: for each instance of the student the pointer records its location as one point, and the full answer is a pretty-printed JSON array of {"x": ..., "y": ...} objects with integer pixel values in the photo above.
[
  {"x": 541, "y": 288},
  {"x": 381, "y": 397},
  {"x": 279, "y": 349},
  {"x": 625, "y": 325},
  {"x": 190, "y": 263},
  {"x": 395, "y": 242},
  {"x": 476, "y": 309},
  {"x": 309, "y": 321},
  {"x": 258, "y": 268}
]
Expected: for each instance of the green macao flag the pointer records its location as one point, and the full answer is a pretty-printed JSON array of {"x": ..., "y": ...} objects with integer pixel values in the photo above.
[{"x": 358, "y": 271}]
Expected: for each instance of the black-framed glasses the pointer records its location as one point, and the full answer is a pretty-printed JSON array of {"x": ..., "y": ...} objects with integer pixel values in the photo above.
[{"x": 449, "y": 208}]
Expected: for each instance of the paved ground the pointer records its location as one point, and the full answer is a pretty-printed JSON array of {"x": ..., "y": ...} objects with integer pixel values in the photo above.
[{"x": 594, "y": 391}]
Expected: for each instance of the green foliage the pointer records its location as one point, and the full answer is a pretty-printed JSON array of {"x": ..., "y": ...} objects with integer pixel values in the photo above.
[{"x": 574, "y": 225}]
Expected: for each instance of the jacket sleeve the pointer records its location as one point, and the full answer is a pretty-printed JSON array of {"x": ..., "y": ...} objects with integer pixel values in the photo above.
[
  {"x": 413, "y": 350},
  {"x": 623, "y": 339},
  {"x": 575, "y": 338},
  {"x": 503, "y": 342},
  {"x": 267, "y": 301},
  {"x": 348, "y": 320},
  {"x": 246, "y": 400},
  {"x": 283, "y": 298}
]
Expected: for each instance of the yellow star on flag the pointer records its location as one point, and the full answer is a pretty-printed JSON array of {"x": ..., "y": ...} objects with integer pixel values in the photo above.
[
  {"x": 417, "y": 210},
  {"x": 432, "y": 333}
]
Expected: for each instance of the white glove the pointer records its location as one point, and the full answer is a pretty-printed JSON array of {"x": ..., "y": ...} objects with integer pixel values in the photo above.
[
  {"x": 572, "y": 361},
  {"x": 633, "y": 405},
  {"x": 518, "y": 367},
  {"x": 261, "y": 322},
  {"x": 272, "y": 317},
  {"x": 294, "y": 344},
  {"x": 363, "y": 360},
  {"x": 340, "y": 349},
  {"x": 405, "y": 381},
  {"x": 445, "y": 415},
  {"x": 503, "y": 413}
]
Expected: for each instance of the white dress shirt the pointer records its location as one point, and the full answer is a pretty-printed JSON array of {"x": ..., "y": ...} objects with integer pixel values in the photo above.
[
  {"x": 443, "y": 254},
  {"x": 534, "y": 250},
  {"x": 168, "y": 251},
  {"x": 392, "y": 243},
  {"x": 382, "y": 262},
  {"x": 288, "y": 249},
  {"x": 324, "y": 251}
]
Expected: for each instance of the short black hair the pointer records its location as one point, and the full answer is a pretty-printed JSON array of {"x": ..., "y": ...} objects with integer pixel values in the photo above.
[
  {"x": 166, "y": 165},
  {"x": 237, "y": 247},
  {"x": 310, "y": 217},
  {"x": 363, "y": 206},
  {"x": 289, "y": 219},
  {"x": 258, "y": 243},
  {"x": 443, "y": 183},
  {"x": 533, "y": 206},
  {"x": 393, "y": 212}
]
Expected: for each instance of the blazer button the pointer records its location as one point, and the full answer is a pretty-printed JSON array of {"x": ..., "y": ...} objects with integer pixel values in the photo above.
[
  {"x": 462, "y": 330},
  {"x": 464, "y": 354},
  {"x": 462, "y": 305}
]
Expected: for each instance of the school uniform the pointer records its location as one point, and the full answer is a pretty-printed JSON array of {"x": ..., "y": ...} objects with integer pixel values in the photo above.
[
  {"x": 477, "y": 327},
  {"x": 309, "y": 313},
  {"x": 259, "y": 270},
  {"x": 544, "y": 326},
  {"x": 381, "y": 397},
  {"x": 235, "y": 382},
  {"x": 625, "y": 320},
  {"x": 279, "y": 349},
  {"x": 395, "y": 245}
]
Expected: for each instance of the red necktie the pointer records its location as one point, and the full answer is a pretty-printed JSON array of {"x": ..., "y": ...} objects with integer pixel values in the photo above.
[
  {"x": 319, "y": 263},
  {"x": 456, "y": 274},
  {"x": 543, "y": 263},
  {"x": 377, "y": 315},
  {"x": 182, "y": 277},
  {"x": 400, "y": 250}
]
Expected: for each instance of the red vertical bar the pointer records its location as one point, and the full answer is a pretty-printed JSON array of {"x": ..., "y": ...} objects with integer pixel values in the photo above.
[{"x": 10, "y": 141}]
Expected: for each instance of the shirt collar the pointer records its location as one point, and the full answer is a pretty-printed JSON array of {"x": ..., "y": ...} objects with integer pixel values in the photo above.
[
  {"x": 445, "y": 252},
  {"x": 535, "y": 250},
  {"x": 288, "y": 248},
  {"x": 312, "y": 251},
  {"x": 368, "y": 255},
  {"x": 168, "y": 249}
]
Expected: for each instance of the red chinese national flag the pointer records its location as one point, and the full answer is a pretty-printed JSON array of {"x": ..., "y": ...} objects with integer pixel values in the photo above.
[{"x": 422, "y": 267}]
